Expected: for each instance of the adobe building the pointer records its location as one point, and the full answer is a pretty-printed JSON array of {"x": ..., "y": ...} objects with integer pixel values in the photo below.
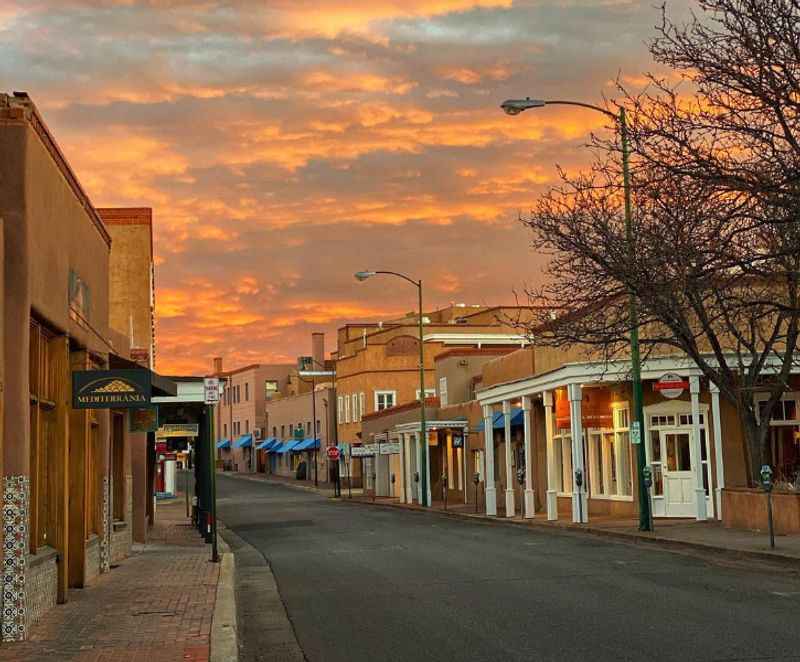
[
  {"x": 377, "y": 365},
  {"x": 239, "y": 416},
  {"x": 66, "y": 469}
]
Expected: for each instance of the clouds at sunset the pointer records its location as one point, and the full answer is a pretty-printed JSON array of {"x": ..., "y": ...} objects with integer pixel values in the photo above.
[{"x": 284, "y": 145}]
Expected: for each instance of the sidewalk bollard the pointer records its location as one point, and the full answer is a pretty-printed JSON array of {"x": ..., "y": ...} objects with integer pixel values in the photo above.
[
  {"x": 476, "y": 479},
  {"x": 766, "y": 483}
]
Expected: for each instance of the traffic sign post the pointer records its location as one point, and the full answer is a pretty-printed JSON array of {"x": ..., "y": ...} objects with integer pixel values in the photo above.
[{"x": 211, "y": 390}]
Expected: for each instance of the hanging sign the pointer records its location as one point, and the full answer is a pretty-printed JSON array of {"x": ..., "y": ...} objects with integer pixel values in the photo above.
[
  {"x": 143, "y": 420},
  {"x": 391, "y": 448},
  {"x": 671, "y": 385},
  {"x": 110, "y": 389},
  {"x": 172, "y": 430},
  {"x": 361, "y": 451}
]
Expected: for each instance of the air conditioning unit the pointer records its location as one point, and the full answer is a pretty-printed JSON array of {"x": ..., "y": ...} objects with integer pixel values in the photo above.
[{"x": 256, "y": 433}]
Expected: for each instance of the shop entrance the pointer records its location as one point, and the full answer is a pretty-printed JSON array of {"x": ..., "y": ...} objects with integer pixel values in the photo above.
[{"x": 679, "y": 491}]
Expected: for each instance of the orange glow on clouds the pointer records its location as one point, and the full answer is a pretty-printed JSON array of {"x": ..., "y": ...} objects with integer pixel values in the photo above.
[{"x": 284, "y": 145}]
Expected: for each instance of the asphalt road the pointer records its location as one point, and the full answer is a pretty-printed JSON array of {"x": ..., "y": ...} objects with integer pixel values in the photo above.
[{"x": 366, "y": 584}]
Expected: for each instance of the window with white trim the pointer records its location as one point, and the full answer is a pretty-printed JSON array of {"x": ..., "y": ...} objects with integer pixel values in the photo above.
[
  {"x": 429, "y": 393},
  {"x": 340, "y": 409},
  {"x": 562, "y": 458},
  {"x": 356, "y": 413},
  {"x": 386, "y": 399},
  {"x": 443, "y": 391},
  {"x": 362, "y": 402},
  {"x": 610, "y": 457},
  {"x": 347, "y": 409}
]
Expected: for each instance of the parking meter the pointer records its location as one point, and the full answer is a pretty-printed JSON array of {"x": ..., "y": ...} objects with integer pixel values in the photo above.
[
  {"x": 392, "y": 478},
  {"x": 416, "y": 476},
  {"x": 476, "y": 478},
  {"x": 578, "y": 477},
  {"x": 766, "y": 478},
  {"x": 648, "y": 477},
  {"x": 521, "y": 476}
]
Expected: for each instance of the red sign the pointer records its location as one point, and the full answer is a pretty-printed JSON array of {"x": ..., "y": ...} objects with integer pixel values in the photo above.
[
  {"x": 333, "y": 453},
  {"x": 671, "y": 385}
]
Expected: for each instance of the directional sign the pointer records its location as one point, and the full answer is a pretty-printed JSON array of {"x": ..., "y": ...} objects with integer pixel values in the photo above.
[
  {"x": 211, "y": 389},
  {"x": 333, "y": 453}
]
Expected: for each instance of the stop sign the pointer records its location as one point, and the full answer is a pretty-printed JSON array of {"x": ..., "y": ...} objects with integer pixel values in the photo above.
[{"x": 333, "y": 453}]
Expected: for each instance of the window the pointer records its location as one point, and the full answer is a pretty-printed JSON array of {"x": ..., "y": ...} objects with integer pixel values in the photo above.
[
  {"x": 308, "y": 428},
  {"x": 356, "y": 413},
  {"x": 609, "y": 456},
  {"x": 291, "y": 429},
  {"x": 785, "y": 410},
  {"x": 246, "y": 391},
  {"x": 385, "y": 399},
  {"x": 340, "y": 409},
  {"x": 274, "y": 430},
  {"x": 224, "y": 429},
  {"x": 246, "y": 423},
  {"x": 347, "y": 409},
  {"x": 429, "y": 393},
  {"x": 270, "y": 388},
  {"x": 362, "y": 402},
  {"x": 562, "y": 457},
  {"x": 316, "y": 428},
  {"x": 443, "y": 391},
  {"x": 283, "y": 432}
]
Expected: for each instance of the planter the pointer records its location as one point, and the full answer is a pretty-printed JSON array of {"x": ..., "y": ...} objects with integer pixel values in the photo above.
[{"x": 746, "y": 508}]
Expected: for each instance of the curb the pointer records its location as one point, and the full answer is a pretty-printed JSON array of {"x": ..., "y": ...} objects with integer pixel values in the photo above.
[
  {"x": 293, "y": 486},
  {"x": 224, "y": 632},
  {"x": 266, "y": 632},
  {"x": 653, "y": 541}
]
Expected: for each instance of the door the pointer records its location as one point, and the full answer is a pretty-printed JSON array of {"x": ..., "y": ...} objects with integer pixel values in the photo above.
[{"x": 679, "y": 491}]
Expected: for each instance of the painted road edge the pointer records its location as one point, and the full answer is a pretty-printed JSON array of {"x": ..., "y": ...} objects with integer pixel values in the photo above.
[{"x": 224, "y": 632}]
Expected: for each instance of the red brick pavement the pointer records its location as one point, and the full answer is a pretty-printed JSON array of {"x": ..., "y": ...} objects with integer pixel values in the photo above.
[{"x": 156, "y": 606}]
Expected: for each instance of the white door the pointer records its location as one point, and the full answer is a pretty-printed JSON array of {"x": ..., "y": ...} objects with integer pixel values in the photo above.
[{"x": 679, "y": 491}]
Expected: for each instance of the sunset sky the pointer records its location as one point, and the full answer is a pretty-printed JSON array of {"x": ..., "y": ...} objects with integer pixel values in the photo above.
[{"x": 285, "y": 144}]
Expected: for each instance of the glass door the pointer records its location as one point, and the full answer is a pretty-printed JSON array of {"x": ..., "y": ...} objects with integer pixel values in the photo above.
[{"x": 677, "y": 471}]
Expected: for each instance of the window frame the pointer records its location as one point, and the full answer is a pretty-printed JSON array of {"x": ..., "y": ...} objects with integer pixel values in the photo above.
[{"x": 385, "y": 392}]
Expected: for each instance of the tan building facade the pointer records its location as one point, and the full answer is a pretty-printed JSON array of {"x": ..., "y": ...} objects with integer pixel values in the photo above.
[{"x": 67, "y": 473}]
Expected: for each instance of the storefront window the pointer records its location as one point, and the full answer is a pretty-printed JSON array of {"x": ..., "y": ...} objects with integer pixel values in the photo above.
[
  {"x": 609, "y": 458},
  {"x": 562, "y": 456}
]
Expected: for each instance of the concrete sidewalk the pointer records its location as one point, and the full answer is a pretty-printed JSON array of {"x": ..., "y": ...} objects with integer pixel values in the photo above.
[{"x": 156, "y": 606}]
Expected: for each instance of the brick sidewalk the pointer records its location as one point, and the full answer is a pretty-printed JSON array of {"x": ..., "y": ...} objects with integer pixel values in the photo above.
[{"x": 157, "y": 606}]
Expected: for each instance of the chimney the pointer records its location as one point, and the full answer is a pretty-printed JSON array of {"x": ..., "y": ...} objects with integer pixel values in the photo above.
[
  {"x": 318, "y": 350},
  {"x": 217, "y": 365}
]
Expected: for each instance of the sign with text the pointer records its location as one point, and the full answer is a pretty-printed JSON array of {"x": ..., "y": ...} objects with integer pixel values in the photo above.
[
  {"x": 110, "y": 389},
  {"x": 172, "y": 430},
  {"x": 671, "y": 385},
  {"x": 392, "y": 448},
  {"x": 361, "y": 451},
  {"x": 211, "y": 390}
]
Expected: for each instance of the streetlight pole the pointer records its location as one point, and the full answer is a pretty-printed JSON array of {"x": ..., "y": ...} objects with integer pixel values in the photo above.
[
  {"x": 423, "y": 432},
  {"x": 515, "y": 107}
]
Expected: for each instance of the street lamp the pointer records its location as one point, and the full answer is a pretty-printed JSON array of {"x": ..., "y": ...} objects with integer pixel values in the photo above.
[
  {"x": 423, "y": 459},
  {"x": 515, "y": 107}
]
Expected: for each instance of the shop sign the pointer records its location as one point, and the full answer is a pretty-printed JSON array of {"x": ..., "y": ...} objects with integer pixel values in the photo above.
[
  {"x": 143, "y": 420},
  {"x": 671, "y": 385},
  {"x": 361, "y": 451},
  {"x": 392, "y": 448},
  {"x": 172, "y": 430},
  {"x": 110, "y": 389}
]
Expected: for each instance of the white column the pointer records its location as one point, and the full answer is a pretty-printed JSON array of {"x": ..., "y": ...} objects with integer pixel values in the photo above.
[
  {"x": 507, "y": 446},
  {"x": 427, "y": 465},
  {"x": 417, "y": 454},
  {"x": 488, "y": 436},
  {"x": 552, "y": 496},
  {"x": 451, "y": 474},
  {"x": 695, "y": 453},
  {"x": 530, "y": 505},
  {"x": 378, "y": 471},
  {"x": 400, "y": 480},
  {"x": 719, "y": 462},
  {"x": 580, "y": 504}
]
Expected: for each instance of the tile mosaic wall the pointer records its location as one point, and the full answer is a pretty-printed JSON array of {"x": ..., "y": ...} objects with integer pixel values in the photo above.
[{"x": 16, "y": 500}]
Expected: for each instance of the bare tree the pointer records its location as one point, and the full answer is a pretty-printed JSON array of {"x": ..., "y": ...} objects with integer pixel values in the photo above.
[{"x": 716, "y": 174}]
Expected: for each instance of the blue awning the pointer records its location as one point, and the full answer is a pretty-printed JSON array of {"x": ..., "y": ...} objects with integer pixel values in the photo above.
[
  {"x": 497, "y": 420},
  {"x": 224, "y": 443},
  {"x": 307, "y": 444},
  {"x": 267, "y": 444},
  {"x": 245, "y": 441},
  {"x": 288, "y": 445}
]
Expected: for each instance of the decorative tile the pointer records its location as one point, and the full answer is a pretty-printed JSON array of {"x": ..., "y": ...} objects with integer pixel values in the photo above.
[
  {"x": 105, "y": 540},
  {"x": 16, "y": 500}
]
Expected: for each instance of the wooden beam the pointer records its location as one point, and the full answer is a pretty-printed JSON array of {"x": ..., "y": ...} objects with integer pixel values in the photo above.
[
  {"x": 78, "y": 513},
  {"x": 58, "y": 457}
]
